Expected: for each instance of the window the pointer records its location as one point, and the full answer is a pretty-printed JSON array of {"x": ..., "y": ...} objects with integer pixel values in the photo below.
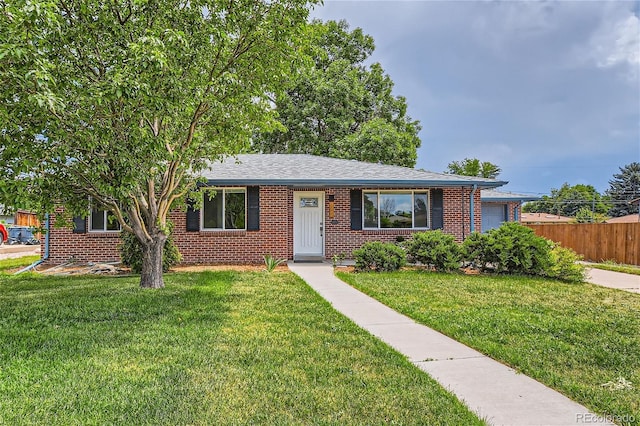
[
  {"x": 103, "y": 221},
  {"x": 225, "y": 209},
  {"x": 398, "y": 209}
]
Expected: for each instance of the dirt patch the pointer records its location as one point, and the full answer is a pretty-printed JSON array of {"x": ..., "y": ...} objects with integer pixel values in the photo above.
[
  {"x": 239, "y": 268},
  {"x": 347, "y": 269},
  {"x": 84, "y": 268},
  {"x": 91, "y": 268}
]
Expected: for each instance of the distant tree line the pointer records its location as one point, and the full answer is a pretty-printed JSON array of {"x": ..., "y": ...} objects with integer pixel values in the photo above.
[
  {"x": 586, "y": 204},
  {"x": 582, "y": 202}
]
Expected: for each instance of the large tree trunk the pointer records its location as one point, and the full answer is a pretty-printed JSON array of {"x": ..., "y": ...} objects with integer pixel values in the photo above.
[{"x": 151, "y": 276}]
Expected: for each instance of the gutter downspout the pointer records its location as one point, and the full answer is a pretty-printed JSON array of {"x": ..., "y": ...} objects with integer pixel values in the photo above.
[
  {"x": 472, "y": 207},
  {"x": 46, "y": 249}
]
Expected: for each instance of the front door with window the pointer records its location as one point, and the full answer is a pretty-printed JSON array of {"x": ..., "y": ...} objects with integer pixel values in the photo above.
[{"x": 308, "y": 225}]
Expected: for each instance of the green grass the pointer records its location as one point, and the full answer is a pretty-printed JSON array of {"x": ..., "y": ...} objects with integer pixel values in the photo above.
[
  {"x": 18, "y": 262},
  {"x": 616, "y": 267},
  {"x": 572, "y": 337},
  {"x": 210, "y": 348}
]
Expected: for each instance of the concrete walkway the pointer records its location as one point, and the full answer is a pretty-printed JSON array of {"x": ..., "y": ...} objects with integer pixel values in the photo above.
[
  {"x": 617, "y": 280},
  {"x": 496, "y": 393}
]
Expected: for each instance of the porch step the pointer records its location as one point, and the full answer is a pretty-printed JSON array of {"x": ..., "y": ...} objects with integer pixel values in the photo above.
[{"x": 308, "y": 259}]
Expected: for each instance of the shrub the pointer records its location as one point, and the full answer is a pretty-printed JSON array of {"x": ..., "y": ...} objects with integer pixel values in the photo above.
[
  {"x": 435, "y": 249},
  {"x": 338, "y": 259},
  {"x": 474, "y": 250},
  {"x": 565, "y": 266},
  {"x": 516, "y": 249},
  {"x": 131, "y": 253},
  {"x": 379, "y": 257}
]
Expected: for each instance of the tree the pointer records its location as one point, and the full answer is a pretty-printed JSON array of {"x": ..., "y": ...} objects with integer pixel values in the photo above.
[
  {"x": 568, "y": 200},
  {"x": 585, "y": 215},
  {"x": 473, "y": 167},
  {"x": 624, "y": 187},
  {"x": 339, "y": 107},
  {"x": 122, "y": 104}
]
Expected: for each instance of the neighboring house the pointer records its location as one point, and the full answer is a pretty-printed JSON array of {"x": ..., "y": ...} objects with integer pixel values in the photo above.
[
  {"x": 543, "y": 218},
  {"x": 630, "y": 218},
  {"x": 299, "y": 207},
  {"x": 499, "y": 207}
]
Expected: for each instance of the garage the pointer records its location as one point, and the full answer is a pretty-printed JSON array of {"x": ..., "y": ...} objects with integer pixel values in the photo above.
[{"x": 493, "y": 215}]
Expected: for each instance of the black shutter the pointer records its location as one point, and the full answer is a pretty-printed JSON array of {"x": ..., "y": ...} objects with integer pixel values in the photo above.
[
  {"x": 253, "y": 208},
  {"x": 437, "y": 210},
  {"x": 79, "y": 225},
  {"x": 193, "y": 217},
  {"x": 356, "y": 209}
]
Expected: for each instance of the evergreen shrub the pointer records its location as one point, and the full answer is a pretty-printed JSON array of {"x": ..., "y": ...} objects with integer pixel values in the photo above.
[{"x": 380, "y": 257}]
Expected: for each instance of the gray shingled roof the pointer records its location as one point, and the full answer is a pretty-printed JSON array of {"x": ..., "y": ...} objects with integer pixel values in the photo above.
[
  {"x": 310, "y": 170},
  {"x": 493, "y": 195}
]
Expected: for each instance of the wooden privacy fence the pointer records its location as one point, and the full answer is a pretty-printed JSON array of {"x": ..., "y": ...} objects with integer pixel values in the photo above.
[
  {"x": 24, "y": 218},
  {"x": 597, "y": 241}
]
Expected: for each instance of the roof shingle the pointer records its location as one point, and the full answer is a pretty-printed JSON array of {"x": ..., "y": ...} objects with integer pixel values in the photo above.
[{"x": 311, "y": 170}]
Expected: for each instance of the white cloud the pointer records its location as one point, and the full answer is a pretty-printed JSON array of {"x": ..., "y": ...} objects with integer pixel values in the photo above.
[
  {"x": 620, "y": 45},
  {"x": 616, "y": 43}
]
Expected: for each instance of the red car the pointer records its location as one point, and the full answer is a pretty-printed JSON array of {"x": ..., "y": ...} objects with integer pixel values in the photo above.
[{"x": 3, "y": 234}]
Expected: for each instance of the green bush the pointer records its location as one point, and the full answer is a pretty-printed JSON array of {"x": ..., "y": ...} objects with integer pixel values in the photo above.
[
  {"x": 379, "y": 257},
  {"x": 435, "y": 249},
  {"x": 516, "y": 249},
  {"x": 475, "y": 250},
  {"x": 131, "y": 253},
  {"x": 565, "y": 266}
]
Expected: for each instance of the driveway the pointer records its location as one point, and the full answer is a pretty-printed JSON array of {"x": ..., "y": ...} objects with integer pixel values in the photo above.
[
  {"x": 11, "y": 252},
  {"x": 618, "y": 280}
]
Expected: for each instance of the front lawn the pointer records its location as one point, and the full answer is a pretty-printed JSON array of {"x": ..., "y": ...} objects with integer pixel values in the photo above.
[
  {"x": 580, "y": 339},
  {"x": 8, "y": 265},
  {"x": 210, "y": 348}
]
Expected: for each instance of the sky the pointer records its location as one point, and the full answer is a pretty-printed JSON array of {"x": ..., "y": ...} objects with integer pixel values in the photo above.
[{"x": 549, "y": 91}]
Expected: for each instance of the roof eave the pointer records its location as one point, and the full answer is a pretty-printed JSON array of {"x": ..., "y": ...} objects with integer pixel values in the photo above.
[
  {"x": 368, "y": 183},
  {"x": 512, "y": 199}
]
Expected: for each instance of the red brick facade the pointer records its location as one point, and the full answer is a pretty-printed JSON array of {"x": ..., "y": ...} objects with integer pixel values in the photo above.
[{"x": 275, "y": 236}]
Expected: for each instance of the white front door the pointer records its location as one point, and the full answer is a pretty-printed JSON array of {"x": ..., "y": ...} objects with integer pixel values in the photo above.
[{"x": 308, "y": 225}]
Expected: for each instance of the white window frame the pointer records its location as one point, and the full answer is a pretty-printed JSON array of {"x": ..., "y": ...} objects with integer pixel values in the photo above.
[
  {"x": 105, "y": 218},
  {"x": 413, "y": 200},
  {"x": 222, "y": 192}
]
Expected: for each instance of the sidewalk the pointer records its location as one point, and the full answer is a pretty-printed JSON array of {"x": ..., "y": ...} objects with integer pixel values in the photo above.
[
  {"x": 617, "y": 280},
  {"x": 495, "y": 392},
  {"x": 18, "y": 250}
]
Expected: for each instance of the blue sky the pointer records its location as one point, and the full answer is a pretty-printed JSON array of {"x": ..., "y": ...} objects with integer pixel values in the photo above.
[{"x": 549, "y": 91}]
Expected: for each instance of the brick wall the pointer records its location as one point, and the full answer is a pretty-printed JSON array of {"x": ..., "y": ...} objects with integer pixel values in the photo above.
[
  {"x": 515, "y": 211},
  {"x": 65, "y": 245},
  {"x": 275, "y": 236}
]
